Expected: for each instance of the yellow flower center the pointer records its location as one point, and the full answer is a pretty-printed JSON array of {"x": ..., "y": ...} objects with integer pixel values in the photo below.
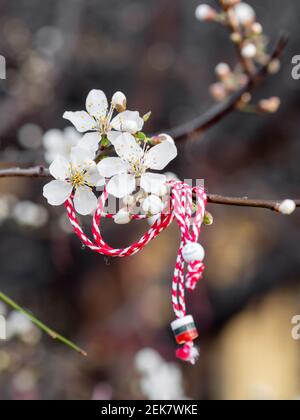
[{"x": 77, "y": 178}]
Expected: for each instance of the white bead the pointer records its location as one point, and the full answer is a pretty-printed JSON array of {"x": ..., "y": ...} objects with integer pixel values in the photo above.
[
  {"x": 287, "y": 207},
  {"x": 193, "y": 251},
  {"x": 245, "y": 14}
]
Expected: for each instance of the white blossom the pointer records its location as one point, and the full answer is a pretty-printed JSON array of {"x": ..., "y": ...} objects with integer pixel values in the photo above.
[
  {"x": 99, "y": 116},
  {"x": 153, "y": 205},
  {"x": 133, "y": 163},
  {"x": 59, "y": 142},
  {"x": 79, "y": 174},
  {"x": 119, "y": 101}
]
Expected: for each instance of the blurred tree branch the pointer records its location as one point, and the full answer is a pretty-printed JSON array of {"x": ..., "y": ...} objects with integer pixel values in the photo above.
[
  {"x": 218, "y": 112},
  {"x": 41, "y": 172}
]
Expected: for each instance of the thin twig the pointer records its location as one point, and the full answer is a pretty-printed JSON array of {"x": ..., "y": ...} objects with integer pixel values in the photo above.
[
  {"x": 41, "y": 172},
  {"x": 247, "y": 202},
  {"x": 219, "y": 111},
  {"x": 233, "y": 26},
  {"x": 39, "y": 324},
  {"x": 35, "y": 172}
]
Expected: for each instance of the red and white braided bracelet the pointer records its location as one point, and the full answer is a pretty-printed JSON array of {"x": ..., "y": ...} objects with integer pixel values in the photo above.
[{"x": 190, "y": 252}]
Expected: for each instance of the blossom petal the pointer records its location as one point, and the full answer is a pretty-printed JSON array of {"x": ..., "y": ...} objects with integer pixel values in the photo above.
[
  {"x": 90, "y": 141},
  {"x": 85, "y": 201},
  {"x": 96, "y": 104},
  {"x": 121, "y": 185},
  {"x": 160, "y": 155},
  {"x": 127, "y": 148},
  {"x": 128, "y": 121},
  {"x": 111, "y": 166},
  {"x": 57, "y": 192},
  {"x": 93, "y": 177},
  {"x": 152, "y": 183},
  {"x": 81, "y": 120},
  {"x": 59, "y": 168},
  {"x": 113, "y": 135},
  {"x": 82, "y": 156}
]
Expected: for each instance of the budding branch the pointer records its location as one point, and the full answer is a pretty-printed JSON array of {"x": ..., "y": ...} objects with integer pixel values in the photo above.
[
  {"x": 218, "y": 112},
  {"x": 41, "y": 172}
]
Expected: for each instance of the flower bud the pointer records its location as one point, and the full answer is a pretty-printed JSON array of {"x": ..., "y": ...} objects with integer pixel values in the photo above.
[
  {"x": 208, "y": 219},
  {"x": 153, "y": 205},
  {"x": 218, "y": 92},
  {"x": 119, "y": 101},
  {"x": 287, "y": 207},
  {"x": 204, "y": 12},
  {"x": 245, "y": 14},
  {"x": 274, "y": 66},
  {"x": 129, "y": 126},
  {"x": 249, "y": 51},
  {"x": 236, "y": 37},
  {"x": 223, "y": 70},
  {"x": 257, "y": 28},
  {"x": 147, "y": 116},
  {"x": 122, "y": 217},
  {"x": 270, "y": 105}
]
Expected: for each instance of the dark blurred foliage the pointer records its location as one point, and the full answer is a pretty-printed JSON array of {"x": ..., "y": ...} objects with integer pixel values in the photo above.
[{"x": 163, "y": 59}]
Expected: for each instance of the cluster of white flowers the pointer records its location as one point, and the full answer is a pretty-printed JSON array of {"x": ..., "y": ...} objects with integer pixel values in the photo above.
[
  {"x": 78, "y": 173},
  {"x": 160, "y": 380}
]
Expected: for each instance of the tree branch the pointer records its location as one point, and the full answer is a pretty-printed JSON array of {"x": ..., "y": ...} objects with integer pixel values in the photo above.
[
  {"x": 41, "y": 172},
  {"x": 35, "y": 172},
  {"x": 233, "y": 27},
  {"x": 247, "y": 202},
  {"x": 218, "y": 112}
]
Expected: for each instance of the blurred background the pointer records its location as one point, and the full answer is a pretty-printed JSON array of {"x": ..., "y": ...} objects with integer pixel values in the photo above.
[{"x": 117, "y": 310}]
